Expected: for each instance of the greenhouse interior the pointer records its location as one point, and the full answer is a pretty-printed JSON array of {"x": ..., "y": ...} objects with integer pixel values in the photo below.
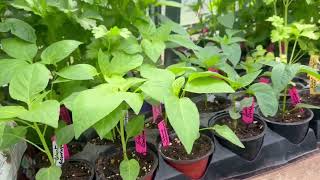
[{"x": 159, "y": 89}]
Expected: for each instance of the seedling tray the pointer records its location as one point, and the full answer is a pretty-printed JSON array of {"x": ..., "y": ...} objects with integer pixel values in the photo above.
[{"x": 224, "y": 164}]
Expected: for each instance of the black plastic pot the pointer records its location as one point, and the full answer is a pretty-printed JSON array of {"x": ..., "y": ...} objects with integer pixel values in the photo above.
[
  {"x": 295, "y": 132},
  {"x": 90, "y": 165},
  {"x": 194, "y": 168},
  {"x": 252, "y": 144}
]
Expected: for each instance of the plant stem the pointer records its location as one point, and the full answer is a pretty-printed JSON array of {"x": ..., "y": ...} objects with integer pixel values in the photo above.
[
  {"x": 26, "y": 140},
  {"x": 44, "y": 144},
  {"x": 293, "y": 50},
  {"x": 208, "y": 128},
  {"x": 123, "y": 141},
  {"x": 286, "y": 6}
]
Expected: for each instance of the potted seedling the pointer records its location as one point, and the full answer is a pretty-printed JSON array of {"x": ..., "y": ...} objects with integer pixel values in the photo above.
[
  {"x": 292, "y": 120},
  {"x": 30, "y": 86},
  {"x": 186, "y": 152}
]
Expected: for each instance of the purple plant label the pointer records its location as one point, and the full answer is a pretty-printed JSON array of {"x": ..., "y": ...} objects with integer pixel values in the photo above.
[
  {"x": 247, "y": 113},
  {"x": 141, "y": 143},
  {"x": 65, "y": 115},
  {"x": 164, "y": 133},
  {"x": 264, "y": 80},
  {"x": 60, "y": 154},
  {"x": 156, "y": 112}
]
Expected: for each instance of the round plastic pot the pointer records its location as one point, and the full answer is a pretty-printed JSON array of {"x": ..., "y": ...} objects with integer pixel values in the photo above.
[
  {"x": 295, "y": 132},
  {"x": 316, "y": 112},
  {"x": 194, "y": 168},
  {"x": 252, "y": 144},
  {"x": 92, "y": 169}
]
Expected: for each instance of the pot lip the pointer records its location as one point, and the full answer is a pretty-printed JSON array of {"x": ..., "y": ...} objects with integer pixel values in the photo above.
[
  {"x": 290, "y": 123},
  {"x": 243, "y": 139},
  {"x": 87, "y": 162},
  {"x": 190, "y": 160}
]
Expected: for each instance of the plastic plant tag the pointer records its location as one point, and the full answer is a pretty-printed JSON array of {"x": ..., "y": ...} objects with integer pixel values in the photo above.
[
  {"x": 65, "y": 115},
  {"x": 60, "y": 154},
  {"x": 314, "y": 82},
  {"x": 156, "y": 112},
  {"x": 247, "y": 113},
  {"x": 164, "y": 133},
  {"x": 264, "y": 80},
  {"x": 141, "y": 143}
]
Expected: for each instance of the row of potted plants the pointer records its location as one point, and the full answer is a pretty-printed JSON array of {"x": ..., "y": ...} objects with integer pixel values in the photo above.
[{"x": 107, "y": 92}]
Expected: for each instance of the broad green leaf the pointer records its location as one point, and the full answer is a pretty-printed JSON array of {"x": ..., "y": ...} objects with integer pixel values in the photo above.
[
  {"x": 121, "y": 63},
  {"x": 153, "y": 49},
  {"x": 154, "y": 73},
  {"x": 2, "y": 128},
  {"x": 134, "y": 100},
  {"x": 225, "y": 132},
  {"x": 46, "y": 112},
  {"x": 129, "y": 169},
  {"x": 130, "y": 46},
  {"x": 227, "y": 20},
  {"x": 197, "y": 75},
  {"x": 58, "y": 51},
  {"x": 78, "y": 72},
  {"x": 208, "y": 85},
  {"x": 28, "y": 82},
  {"x": 104, "y": 126},
  {"x": 7, "y": 112},
  {"x": 90, "y": 106},
  {"x": 234, "y": 114},
  {"x": 21, "y": 29},
  {"x": 64, "y": 135},
  {"x": 180, "y": 69},
  {"x": 177, "y": 85},
  {"x": 12, "y": 136},
  {"x": 246, "y": 102},
  {"x": 177, "y": 28},
  {"x": 309, "y": 70},
  {"x": 4, "y": 27},
  {"x": 104, "y": 63},
  {"x": 309, "y": 106},
  {"x": 130, "y": 82},
  {"x": 19, "y": 49},
  {"x": 184, "y": 41},
  {"x": 183, "y": 117},
  {"x": 51, "y": 173},
  {"x": 8, "y": 68},
  {"x": 157, "y": 89},
  {"x": 248, "y": 78},
  {"x": 169, "y": 3},
  {"x": 282, "y": 74},
  {"x": 233, "y": 53},
  {"x": 135, "y": 126},
  {"x": 266, "y": 98}
]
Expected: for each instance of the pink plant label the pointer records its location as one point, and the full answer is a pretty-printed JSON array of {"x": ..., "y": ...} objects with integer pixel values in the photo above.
[
  {"x": 65, "y": 115},
  {"x": 156, "y": 112},
  {"x": 247, "y": 113},
  {"x": 141, "y": 143},
  {"x": 295, "y": 98},
  {"x": 60, "y": 154},
  {"x": 164, "y": 133},
  {"x": 264, "y": 80}
]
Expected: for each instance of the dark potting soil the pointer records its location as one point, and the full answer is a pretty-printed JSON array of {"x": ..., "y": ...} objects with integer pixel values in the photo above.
[
  {"x": 108, "y": 166},
  {"x": 310, "y": 99},
  {"x": 295, "y": 115},
  {"x": 243, "y": 130},
  {"x": 75, "y": 170},
  {"x": 75, "y": 147},
  {"x": 100, "y": 142},
  {"x": 177, "y": 151},
  {"x": 41, "y": 160},
  {"x": 218, "y": 104}
]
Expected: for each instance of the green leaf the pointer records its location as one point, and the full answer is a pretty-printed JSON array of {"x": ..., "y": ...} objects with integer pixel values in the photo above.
[
  {"x": 227, "y": 20},
  {"x": 234, "y": 114},
  {"x": 130, "y": 46},
  {"x": 51, "y": 173},
  {"x": 169, "y": 3},
  {"x": 246, "y": 102},
  {"x": 152, "y": 73},
  {"x": 153, "y": 49},
  {"x": 21, "y": 29},
  {"x": 134, "y": 100},
  {"x": 233, "y": 53},
  {"x": 248, "y": 78},
  {"x": 104, "y": 63},
  {"x": 64, "y": 135},
  {"x": 90, "y": 106},
  {"x": 30, "y": 81},
  {"x": 19, "y": 49},
  {"x": 184, "y": 41},
  {"x": 129, "y": 169},
  {"x": 183, "y": 117},
  {"x": 208, "y": 85},
  {"x": 104, "y": 126},
  {"x": 46, "y": 112},
  {"x": 135, "y": 126},
  {"x": 8, "y": 112},
  {"x": 122, "y": 63},
  {"x": 225, "y": 132},
  {"x": 309, "y": 106},
  {"x": 58, "y": 51},
  {"x": 8, "y": 68},
  {"x": 177, "y": 85},
  {"x": 12, "y": 136},
  {"x": 281, "y": 75},
  {"x": 78, "y": 72},
  {"x": 266, "y": 97}
]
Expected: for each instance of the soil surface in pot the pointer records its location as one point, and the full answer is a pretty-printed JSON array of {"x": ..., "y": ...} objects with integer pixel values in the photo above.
[
  {"x": 109, "y": 165},
  {"x": 41, "y": 160},
  {"x": 177, "y": 151},
  {"x": 100, "y": 142},
  {"x": 291, "y": 115},
  {"x": 76, "y": 170},
  {"x": 310, "y": 99},
  {"x": 243, "y": 130},
  {"x": 218, "y": 104},
  {"x": 75, "y": 147}
]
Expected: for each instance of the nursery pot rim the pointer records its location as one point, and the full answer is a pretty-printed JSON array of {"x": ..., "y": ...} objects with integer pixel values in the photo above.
[
  {"x": 289, "y": 123},
  {"x": 188, "y": 161},
  {"x": 242, "y": 139},
  {"x": 91, "y": 165}
]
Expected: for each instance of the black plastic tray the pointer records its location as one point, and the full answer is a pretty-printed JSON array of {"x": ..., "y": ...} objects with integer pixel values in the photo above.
[{"x": 224, "y": 164}]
